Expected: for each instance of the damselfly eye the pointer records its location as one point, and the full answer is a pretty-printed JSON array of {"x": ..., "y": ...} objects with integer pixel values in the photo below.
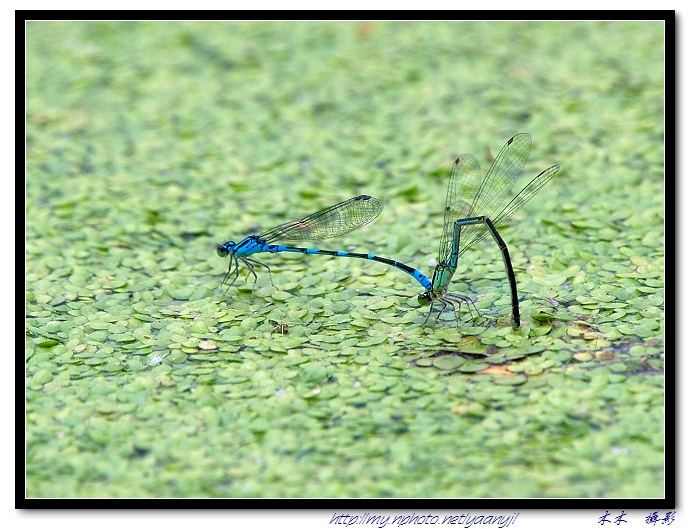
[
  {"x": 222, "y": 249},
  {"x": 424, "y": 299}
]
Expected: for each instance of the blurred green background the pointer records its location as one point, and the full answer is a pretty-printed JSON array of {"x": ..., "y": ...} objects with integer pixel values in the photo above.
[{"x": 149, "y": 143}]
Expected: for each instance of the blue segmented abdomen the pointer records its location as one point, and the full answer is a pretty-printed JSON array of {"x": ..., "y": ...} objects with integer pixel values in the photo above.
[
  {"x": 423, "y": 280},
  {"x": 275, "y": 248}
]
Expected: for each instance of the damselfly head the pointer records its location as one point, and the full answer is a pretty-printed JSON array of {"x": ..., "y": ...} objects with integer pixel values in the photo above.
[
  {"x": 424, "y": 299},
  {"x": 224, "y": 249}
]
